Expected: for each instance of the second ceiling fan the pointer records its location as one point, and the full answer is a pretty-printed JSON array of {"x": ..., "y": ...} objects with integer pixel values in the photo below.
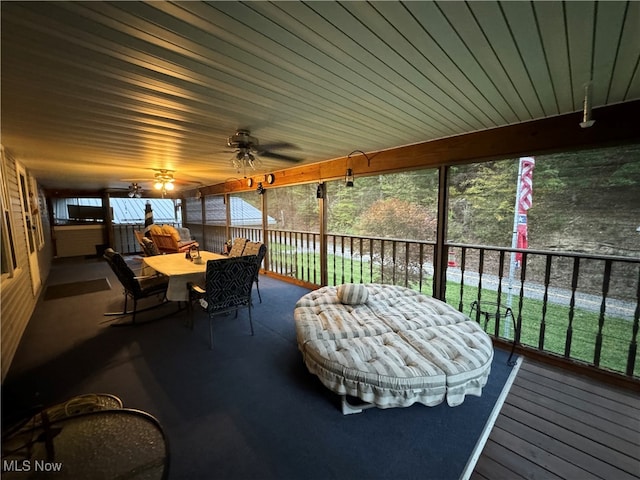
[{"x": 247, "y": 150}]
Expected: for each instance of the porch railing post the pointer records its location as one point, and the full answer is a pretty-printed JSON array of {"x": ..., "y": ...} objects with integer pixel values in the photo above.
[
  {"x": 603, "y": 306},
  {"x": 324, "y": 258},
  {"x": 441, "y": 254},
  {"x": 265, "y": 225},
  {"x": 203, "y": 218},
  {"x": 108, "y": 220},
  {"x": 227, "y": 204},
  {"x": 572, "y": 305}
]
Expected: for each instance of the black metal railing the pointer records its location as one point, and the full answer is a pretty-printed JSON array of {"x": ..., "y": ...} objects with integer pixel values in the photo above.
[
  {"x": 560, "y": 303},
  {"x": 582, "y": 307}
]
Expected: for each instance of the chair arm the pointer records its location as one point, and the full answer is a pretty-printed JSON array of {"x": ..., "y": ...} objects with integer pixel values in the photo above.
[
  {"x": 146, "y": 277},
  {"x": 196, "y": 288}
]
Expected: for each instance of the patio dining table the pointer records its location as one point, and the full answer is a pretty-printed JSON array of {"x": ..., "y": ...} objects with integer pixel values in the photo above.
[{"x": 180, "y": 271}]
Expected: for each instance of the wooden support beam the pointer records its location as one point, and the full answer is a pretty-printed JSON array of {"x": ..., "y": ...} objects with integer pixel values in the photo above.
[{"x": 615, "y": 124}]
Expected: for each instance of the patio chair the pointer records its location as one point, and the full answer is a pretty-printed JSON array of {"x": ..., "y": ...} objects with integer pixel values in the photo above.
[
  {"x": 228, "y": 286},
  {"x": 136, "y": 287},
  {"x": 259, "y": 250},
  {"x": 497, "y": 311},
  {"x": 238, "y": 247}
]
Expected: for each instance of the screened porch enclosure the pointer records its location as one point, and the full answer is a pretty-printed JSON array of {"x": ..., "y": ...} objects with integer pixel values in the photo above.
[{"x": 574, "y": 294}]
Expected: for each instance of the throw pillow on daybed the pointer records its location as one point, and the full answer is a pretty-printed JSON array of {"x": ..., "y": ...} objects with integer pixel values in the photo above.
[{"x": 353, "y": 293}]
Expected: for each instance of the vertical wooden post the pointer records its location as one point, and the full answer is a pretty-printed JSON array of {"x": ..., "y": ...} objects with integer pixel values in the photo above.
[
  {"x": 108, "y": 221},
  {"x": 324, "y": 279},
  {"x": 203, "y": 219},
  {"x": 227, "y": 204},
  {"x": 441, "y": 254},
  {"x": 265, "y": 225}
]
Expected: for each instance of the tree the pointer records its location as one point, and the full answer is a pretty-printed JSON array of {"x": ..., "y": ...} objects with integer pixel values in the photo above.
[{"x": 395, "y": 218}]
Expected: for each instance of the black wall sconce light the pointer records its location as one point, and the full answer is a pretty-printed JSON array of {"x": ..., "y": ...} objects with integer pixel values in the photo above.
[
  {"x": 260, "y": 188},
  {"x": 320, "y": 190}
]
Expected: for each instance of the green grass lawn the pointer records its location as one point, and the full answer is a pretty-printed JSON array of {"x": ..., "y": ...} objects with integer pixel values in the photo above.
[{"x": 616, "y": 332}]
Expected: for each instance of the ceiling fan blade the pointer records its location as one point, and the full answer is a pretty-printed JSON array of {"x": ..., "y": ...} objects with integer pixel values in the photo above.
[
  {"x": 228, "y": 150},
  {"x": 276, "y": 146},
  {"x": 279, "y": 156}
]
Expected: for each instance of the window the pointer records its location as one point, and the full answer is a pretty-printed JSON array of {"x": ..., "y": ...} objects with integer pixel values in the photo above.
[
  {"x": 583, "y": 201},
  {"x": 7, "y": 249},
  {"x": 395, "y": 205},
  {"x": 246, "y": 210},
  {"x": 382, "y": 229},
  {"x": 193, "y": 210}
]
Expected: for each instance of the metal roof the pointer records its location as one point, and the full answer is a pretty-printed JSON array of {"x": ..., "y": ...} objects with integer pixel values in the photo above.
[{"x": 124, "y": 210}]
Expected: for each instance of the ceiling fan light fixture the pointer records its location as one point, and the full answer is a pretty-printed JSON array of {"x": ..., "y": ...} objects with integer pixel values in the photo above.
[
  {"x": 135, "y": 190},
  {"x": 251, "y": 160},
  {"x": 243, "y": 159},
  {"x": 164, "y": 181}
]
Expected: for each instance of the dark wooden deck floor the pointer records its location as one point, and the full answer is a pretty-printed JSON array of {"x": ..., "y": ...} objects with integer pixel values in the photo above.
[{"x": 559, "y": 425}]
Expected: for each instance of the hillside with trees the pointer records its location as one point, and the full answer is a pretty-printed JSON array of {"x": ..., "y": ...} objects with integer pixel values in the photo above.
[{"x": 586, "y": 202}]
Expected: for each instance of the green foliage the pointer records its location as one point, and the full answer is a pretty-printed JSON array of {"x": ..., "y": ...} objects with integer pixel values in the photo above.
[
  {"x": 628, "y": 174},
  {"x": 347, "y": 206},
  {"x": 294, "y": 208},
  {"x": 482, "y": 200},
  {"x": 393, "y": 217}
]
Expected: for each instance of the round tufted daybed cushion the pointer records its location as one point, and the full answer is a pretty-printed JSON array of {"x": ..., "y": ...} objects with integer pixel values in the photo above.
[{"x": 395, "y": 348}]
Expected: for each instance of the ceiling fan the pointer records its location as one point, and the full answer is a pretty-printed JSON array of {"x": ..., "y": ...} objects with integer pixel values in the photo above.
[
  {"x": 135, "y": 190},
  {"x": 162, "y": 181},
  {"x": 247, "y": 150}
]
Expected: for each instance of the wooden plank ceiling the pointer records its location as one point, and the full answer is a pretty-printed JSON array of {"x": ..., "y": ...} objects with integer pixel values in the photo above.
[{"x": 99, "y": 94}]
